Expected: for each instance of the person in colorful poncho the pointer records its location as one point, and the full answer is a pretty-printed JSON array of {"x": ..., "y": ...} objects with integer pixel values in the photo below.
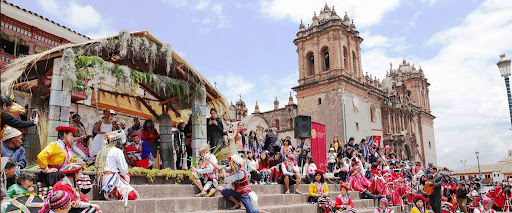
[
  {"x": 57, "y": 154},
  {"x": 319, "y": 192},
  {"x": 242, "y": 190},
  {"x": 60, "y": 202},
  {"x": 139, "y": 152},
  {"x": 73, "y": 172},
  {"x": 112, "y": 170}
]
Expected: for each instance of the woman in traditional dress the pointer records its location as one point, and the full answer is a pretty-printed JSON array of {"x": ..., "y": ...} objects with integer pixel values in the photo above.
[
  {"x": 80, "y": 148},
  {"x": 319, "y": 192},
  {"x": 73, "y": 172},
  {"x": 393, "y": 196},
  {"x": 100, "y": 128},
  {"x": 343, "y": 201},
  {"x": 55, "y": 155},
  {"x": 206, "y": 173},
  {"x": 359, "y": 183},
  {"x": 420, "y": 204},
  {"x": 486, "y": 207}
]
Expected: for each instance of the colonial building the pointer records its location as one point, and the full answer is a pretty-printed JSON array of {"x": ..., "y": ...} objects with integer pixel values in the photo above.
[
  {"x": 334, "y": 91},
  {"x": 25, "y": 33},
  {"x": 490, "y": 173}
]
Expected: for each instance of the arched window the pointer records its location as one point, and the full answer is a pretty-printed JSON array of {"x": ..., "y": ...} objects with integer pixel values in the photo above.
[
  {"x": 319, "y": 101},
  {"x": 290, "y": 123},
  {"x": 310, "y": 64},
  {"x": 354, "y": 63},
  {"x": 407, "y": 152},
  {"x": 429, "y": 145},
  {"x": 372, "y": 113},
  {"x": 276, "y": 123},
  {"x": 345, "y": 58},
  {"x": 325, "y": 57}
]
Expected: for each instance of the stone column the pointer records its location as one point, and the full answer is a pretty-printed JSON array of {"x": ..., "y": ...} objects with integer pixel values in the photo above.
[
  {"x": 166, "y": 143},
  {"x": 58, "y": 112},
  {"x": 199, "y": 122}
]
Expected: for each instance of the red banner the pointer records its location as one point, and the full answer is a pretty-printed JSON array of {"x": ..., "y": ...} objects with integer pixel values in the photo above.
[{"x": 318, "y": 145}]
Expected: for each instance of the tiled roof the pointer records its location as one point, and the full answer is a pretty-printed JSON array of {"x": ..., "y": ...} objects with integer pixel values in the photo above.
[
  {"x": 35, "y": 14},
  {"x": 505, "y": 168}
]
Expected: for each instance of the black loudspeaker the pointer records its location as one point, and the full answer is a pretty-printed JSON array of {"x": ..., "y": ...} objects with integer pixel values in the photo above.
[{"x": 302, "y": 126}]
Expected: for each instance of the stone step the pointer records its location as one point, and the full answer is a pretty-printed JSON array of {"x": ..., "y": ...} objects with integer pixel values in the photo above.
[
  {"x": 213, "y": 203},
  {"x": 295, "y": 208},
  {"x": 182, "y": 190}
]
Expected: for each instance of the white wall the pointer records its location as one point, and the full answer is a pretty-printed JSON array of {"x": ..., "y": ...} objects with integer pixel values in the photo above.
[
  {"x": 428, "y": 136},
  {"x": 361, "y": 115}
]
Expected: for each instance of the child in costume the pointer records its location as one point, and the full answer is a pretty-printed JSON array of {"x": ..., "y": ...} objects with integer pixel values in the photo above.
[
  {"x": 383, "y": 207},
  {"x": 60, "y": 202},
  {"x": 73, "y": 172},
  {"x": 319, "y": 192},
  {"x": 24, "y": 186},
  {"x": 486, "y": 207},
  {"x": 343, "y": 201},
  {"x": 242, "y": 190}
]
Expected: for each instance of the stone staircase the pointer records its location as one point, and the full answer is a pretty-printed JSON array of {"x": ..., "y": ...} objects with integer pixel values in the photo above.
[{"x": 160, "y": 198}]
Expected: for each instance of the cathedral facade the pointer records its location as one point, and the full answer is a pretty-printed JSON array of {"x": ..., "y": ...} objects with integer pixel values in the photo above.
[{"x": 334, "y": 91}]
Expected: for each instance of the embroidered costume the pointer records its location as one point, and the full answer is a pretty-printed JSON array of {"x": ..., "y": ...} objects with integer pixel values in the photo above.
[{"x": 242, "y": 190}]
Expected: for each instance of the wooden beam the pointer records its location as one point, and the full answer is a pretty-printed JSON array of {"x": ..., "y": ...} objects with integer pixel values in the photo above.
[
  {"x": 126, "y": 95},
  {"x": 151, "y": 92},
  {"x": 150, "y": 109},
  {"x": 169, "y": 100}
]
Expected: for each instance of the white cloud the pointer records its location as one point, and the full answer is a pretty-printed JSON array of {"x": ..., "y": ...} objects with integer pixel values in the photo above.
[
  {"x": 365, "y": 12},
  {"x": 210, "y": 12},
  {"x": 379, "y": 41},
  {"x": 80, "y": 17},
  {"x": 467, "y": 94}
]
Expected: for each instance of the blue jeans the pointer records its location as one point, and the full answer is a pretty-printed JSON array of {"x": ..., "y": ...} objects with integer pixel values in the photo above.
[{"x": 245, "y": 199}]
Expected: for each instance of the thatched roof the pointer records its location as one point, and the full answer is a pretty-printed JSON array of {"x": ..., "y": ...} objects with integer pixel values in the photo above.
[{"x": 26, "y": 70}]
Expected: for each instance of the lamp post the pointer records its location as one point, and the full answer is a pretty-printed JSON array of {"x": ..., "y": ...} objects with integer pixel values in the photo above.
[
  {"x": 504, "y": 66},
  {"x": 478, "y": 161}
]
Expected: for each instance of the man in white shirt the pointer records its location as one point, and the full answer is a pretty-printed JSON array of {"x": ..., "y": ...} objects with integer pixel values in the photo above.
[{"x": 112, "y": 170}]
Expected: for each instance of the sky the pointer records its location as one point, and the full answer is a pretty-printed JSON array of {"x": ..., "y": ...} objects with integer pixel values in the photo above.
[{"x": 246, "y": 47}]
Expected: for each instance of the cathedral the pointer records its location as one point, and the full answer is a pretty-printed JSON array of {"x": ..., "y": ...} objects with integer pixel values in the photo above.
[{"x": 334, "y": 91}]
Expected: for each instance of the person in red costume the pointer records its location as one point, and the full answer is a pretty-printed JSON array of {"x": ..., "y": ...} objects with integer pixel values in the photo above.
[
  {"x": 501, "y": 197},
  {"x": 73, "y": 172},
  {"x": 139, "y": 152},
  {"x": 358, "y": 182},
  {"x": 343, "y": 201}
]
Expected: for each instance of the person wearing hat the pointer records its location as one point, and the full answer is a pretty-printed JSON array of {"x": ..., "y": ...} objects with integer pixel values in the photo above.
[
  {"x": 383, "y": 207},
  {"x": 139, "y": 152},
  {"x": 343, "y": 201},
  {"x": 72, "y": 173},
  {"x": 100, "y": 128},
  {"x": 60, "y": 201},
  {"x": 206, "y": 172},
  {"x": 11, "y": 146},
  {"x": 393, "y": 195},
  {"x": 55, "y": 155},
  {"x": 112, "y": 170},
  {"x": 319, "y": 192},
  {"x": 486, "y": 207},
  {"x": 419, "y": 204},
  {"x": 290, "y": 174},
  {"x": 242, "y": 190},
  {"x": 331, "y": 159}
]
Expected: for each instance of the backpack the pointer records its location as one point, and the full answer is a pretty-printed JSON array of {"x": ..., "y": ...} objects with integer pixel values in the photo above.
[{"x": 278, "y": 142}]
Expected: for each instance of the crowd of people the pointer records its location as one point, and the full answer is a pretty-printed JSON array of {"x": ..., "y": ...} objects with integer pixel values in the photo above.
[{"x": 373, "y": 171}]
